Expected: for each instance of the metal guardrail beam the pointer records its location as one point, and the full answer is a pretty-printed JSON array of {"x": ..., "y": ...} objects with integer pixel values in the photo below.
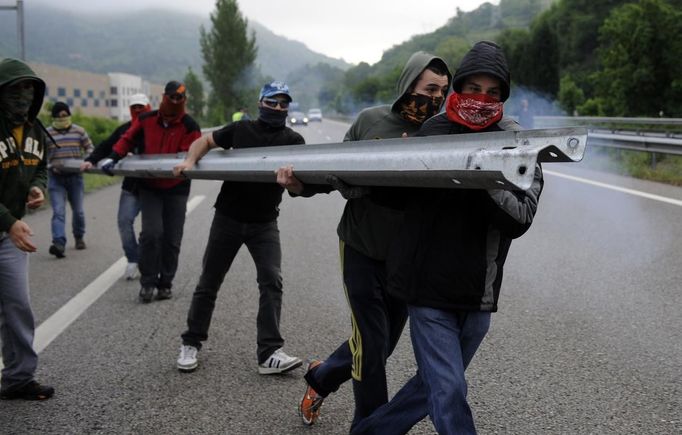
[
  {"x": 562, "y": 121},
  {"x": 636, "y": 140},
  {"x": 501, "y": 160},
  {"x": 663, "y": 145}
]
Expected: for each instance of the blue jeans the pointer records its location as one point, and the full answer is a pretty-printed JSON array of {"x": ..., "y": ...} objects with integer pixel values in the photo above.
[
  {"x": 128, "y": 209},
  {"x": 444, "y": 343},
  {"x": 17, "y": 326},
  {"x": 63, "y": 187}
]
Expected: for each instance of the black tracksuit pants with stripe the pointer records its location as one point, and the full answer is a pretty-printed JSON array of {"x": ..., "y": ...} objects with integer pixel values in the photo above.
[{"x": 377, "y": 323}]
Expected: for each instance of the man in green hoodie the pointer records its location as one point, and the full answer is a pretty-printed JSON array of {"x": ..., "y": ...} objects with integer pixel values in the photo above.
[
  {"x": 367, "y": 227},
  {"x": 23, "y": 173}
]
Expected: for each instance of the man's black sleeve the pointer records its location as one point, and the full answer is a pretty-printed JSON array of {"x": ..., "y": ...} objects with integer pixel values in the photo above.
[{"x": 104, "y": 149}]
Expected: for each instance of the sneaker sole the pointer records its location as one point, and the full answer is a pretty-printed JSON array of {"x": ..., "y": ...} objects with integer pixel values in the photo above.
[
  {"x": 56, "y": 253},
  {"x": 276, "y": 371},
  {"x": 187, "y": 369},
  {"x": 12, "y": 396},
  {"x": 315, "y": 414},
  {"x": 306, "y": 421},
  {"x": 37, "y": 398}
]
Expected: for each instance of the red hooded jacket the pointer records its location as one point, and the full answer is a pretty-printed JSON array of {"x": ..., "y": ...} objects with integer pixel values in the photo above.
[{"x": 159, "y": 139}]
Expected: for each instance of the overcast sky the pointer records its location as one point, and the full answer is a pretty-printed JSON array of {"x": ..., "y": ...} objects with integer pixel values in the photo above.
[{"x": 355, "y": 30}]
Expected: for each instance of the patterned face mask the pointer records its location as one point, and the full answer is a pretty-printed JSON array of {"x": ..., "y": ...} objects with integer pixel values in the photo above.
[
  {"x": 16, "y": 101},
  {"x": 475, "y": 111},
  {"x": 417, "y": 108}
]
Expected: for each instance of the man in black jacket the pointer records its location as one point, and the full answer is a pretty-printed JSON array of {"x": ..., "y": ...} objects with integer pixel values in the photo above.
[
  {"x": 366, "y": 230},
  {"x": 246, "y": 214},
  {"x": 447, "y": 261},
  {"x": 128, "y": 203}
]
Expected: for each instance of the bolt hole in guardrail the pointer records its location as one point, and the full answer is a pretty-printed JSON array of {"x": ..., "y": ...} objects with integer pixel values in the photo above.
[
  {"x": 553, "y": 154},
  {"x": 523, "y": 169},
  {"x": 456, "y": 181}
]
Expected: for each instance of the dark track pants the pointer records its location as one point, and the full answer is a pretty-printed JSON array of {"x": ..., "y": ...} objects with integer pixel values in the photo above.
[
  {"x": 377, "y": 322},
  {"x": 163, "y": 221}
]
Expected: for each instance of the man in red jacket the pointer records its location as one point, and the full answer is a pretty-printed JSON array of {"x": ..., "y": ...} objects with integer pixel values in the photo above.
[{"x": 163, "y": 202}]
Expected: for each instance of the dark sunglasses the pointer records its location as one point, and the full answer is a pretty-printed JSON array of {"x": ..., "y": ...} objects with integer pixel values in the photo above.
[
  {"x": 176, "y": 97},
  {"x": 273, "y": 102}
]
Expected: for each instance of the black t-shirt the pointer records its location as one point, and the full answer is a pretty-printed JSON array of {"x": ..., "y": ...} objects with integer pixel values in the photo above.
[{"x": 246, "y": 201}]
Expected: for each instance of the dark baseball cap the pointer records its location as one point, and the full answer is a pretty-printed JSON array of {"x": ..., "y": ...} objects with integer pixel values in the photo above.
[{"x": 174, "y": 87}]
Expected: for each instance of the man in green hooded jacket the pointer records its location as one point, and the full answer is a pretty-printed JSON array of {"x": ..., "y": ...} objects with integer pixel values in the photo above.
[
  {"x": 367, "y": 227},
  {"x": 23, "y": 173}
]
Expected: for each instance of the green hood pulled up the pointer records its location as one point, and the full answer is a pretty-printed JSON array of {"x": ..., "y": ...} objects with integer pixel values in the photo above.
[
  {"x": 414, "y": 66},
  {"x": 12, "y": 70}
]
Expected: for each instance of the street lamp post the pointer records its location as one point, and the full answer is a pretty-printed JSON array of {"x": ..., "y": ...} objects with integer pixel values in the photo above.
[{"x": 19, "y": 7}]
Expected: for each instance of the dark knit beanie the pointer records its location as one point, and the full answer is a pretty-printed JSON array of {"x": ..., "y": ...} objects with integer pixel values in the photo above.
[
  {"x": 60, "y": 106},
  {"x": 485, "y": 57}
]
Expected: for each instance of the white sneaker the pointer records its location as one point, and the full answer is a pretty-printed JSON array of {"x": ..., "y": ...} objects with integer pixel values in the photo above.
[
  {"x": 187, "y": 361},
  {"x": 131, "y": 272},
  {"x": 279, "y": 362}
]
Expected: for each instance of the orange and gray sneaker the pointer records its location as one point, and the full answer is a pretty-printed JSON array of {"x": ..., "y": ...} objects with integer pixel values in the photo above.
[{"x": 312, "y": 401}]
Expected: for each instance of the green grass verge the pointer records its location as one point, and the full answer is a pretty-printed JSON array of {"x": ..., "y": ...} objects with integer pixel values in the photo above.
[
  {"x": 663, "y": 168},
  {"x": 97, "y": 181}
]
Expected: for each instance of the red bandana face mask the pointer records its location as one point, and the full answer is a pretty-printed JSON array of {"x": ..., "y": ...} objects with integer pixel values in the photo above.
[
  {"x": 171, "y": 110},
  {"x": 475, "y": 111}
]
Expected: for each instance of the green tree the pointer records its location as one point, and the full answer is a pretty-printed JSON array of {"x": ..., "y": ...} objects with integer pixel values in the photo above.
[
  {"x": 542, "y": 55},
  {"x": 640, "y": 52},
  {"x": 452, "y": 50},
  {"x": 570, "y": 95},
  {"x": 229, "y": 53},
  {"x": 195, "y": 95}
]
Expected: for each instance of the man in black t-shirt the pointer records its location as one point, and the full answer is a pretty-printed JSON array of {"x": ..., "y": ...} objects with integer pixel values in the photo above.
[{"x": 246, "y": 213}]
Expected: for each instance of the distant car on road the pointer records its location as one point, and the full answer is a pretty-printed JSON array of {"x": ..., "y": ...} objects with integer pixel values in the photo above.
[
  {"x": 315, "y": 115},
  {"x": 298, "y": 118}
]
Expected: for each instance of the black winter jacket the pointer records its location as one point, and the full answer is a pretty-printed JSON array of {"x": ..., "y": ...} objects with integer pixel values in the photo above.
[
  {"x": 105, "y": 148},
  {"x": 451, "y": 250}
]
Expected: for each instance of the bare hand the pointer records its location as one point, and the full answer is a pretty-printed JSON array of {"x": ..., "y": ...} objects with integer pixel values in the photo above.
[
  {"x": 20, "y": 234},
  {"x": 181, "y": 167},
  {"x": 85, "y": 166},
  {"x": 36, "y": 198},
  {"x": 286, "y": 179}
]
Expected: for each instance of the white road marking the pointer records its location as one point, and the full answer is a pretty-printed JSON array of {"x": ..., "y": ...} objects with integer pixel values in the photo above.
[
  {"x": 617, "y": 188},
  {"x": 69, "y": 312}
]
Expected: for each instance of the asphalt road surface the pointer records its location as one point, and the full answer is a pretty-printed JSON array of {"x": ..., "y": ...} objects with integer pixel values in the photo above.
[{"x": 588, "y": 339}]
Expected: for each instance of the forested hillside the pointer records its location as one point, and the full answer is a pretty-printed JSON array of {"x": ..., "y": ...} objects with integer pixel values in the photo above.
[
  {"x": 142, "y": 43},
  {"x": 591, "y": 57},
  {"x": 603, "y": 57},
  {"x": 366, "y": 84}
]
